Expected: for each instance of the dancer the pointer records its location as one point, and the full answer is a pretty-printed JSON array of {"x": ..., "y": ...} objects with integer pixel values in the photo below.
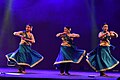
[
  {"x": 68, "y": 51},
  {"x": 100, "y": 59},
  {"x": 24, "y": 55}
]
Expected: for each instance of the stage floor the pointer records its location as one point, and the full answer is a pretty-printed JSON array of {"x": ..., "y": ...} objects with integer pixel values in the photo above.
[{"x": 11, "y": 74}]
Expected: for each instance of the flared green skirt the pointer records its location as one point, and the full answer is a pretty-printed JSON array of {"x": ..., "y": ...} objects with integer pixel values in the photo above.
[
  {"x": 101, "y": 59},
  {"x": 24, "y": 55}
]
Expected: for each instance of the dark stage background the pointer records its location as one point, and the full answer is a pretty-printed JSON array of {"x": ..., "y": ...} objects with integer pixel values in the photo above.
[{"x": 49, "y": 17}]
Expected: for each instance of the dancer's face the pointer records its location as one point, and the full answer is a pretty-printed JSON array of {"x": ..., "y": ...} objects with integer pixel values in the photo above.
[
  {"x": 67, "y": 30},
  {"x": 28, "y": 28},
  {"x": 105, "y": 28}
]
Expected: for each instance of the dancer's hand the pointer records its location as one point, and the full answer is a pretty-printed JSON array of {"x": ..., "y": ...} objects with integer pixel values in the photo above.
[
  {"x": 113, "y": 34},
  {"x": 64, "y": 33},
  {"x": 24, "y": 38},
  {"x": 106, "y": 33},
  {"x": 60, "y": 34},
  {"x": 21, "y": 36},
  {"x": 28, "y": 40}
]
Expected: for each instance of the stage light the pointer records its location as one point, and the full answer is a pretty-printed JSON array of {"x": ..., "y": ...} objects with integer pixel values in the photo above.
[{"x": 6, "y": 22}]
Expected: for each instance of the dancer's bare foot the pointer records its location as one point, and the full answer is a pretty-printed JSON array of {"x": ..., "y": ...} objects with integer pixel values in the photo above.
[
  {"x": 24, "y": 72},
  {"x": 67, "y": 73},
  {"x": 62, "y": 74},
  {"x": 19, "y": 71},
  {"x": 104, "y": 75}
]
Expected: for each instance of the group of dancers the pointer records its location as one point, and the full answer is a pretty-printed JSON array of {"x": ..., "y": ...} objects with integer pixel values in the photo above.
[{"x": 100, "y": 58}]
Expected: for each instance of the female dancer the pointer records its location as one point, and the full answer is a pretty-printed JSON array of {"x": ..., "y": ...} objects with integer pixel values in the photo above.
[
  {"x": 24, "y": 55},
  {"x": 68, "y": 51},
  {"x": 100, "y": 59}
]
